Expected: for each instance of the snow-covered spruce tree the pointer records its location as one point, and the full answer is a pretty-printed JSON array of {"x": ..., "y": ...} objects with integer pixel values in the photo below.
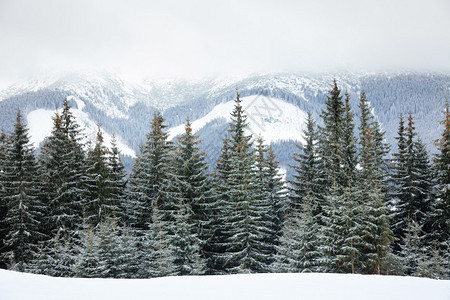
[
  {"x": 341, "y": 210},
  {"x": 117, "y": 173},
  {"x": 271, "y": 186},
  {"x": 412, "y": 182},
  {"x": 337, "y": 152},
  {"x": 99, "y": 184},
  {"x": 349, "y": 211},
  {"x": 63, "y": 162},
  {"x": 246, "y": 244},
  {"x": 350, "y": 218},
  {"x": 127, "y": 260},
  {"x": 189, "y": 189},
  {"x": 330, "y": 157},
  {"x": 306, "y": 178},
  {"x": 424, "y": 183},
  {"x": 399, "y": 173},
  {"x": 274, "y": 186},
  {"x": 340, "y": 235},
  {"x": 297, "y": 249},
  {"x": 145, "y": 193},
  {"x": 3, "y": 206},
  {"x": 330, "y": 233},
  {"x": 350, "y": 158},
  {"x": 330, "y": 136},
  {"x": 58, "y": 256},
  {"x": 218, "y": 212},
  {"x": 375, "y": 232},
  {"x": 148, "y": 175},
  {"x": 24, "y": 207},
  {"x": 157, "y": 257},
  {"x": 185, "y": 244},
  {"x": 289, "y": 252},
  {"x": 109, "y": 253},
  {"x": 413, "y": 251},
  {"x": 441, "y": 206},
  {"x": 86, "y": 263}
]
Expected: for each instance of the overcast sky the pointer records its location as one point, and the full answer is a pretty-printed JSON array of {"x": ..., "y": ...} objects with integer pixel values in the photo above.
[{"x": 196, "y": 38}]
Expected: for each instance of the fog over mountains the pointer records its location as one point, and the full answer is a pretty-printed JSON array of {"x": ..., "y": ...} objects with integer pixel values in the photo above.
[{"x": 276, "y": 104}]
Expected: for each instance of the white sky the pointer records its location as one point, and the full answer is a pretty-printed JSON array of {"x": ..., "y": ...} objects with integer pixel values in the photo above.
[{"x": 136, "y": 38}]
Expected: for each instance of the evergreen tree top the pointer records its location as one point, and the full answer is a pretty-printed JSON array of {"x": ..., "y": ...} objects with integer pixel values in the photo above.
[
  {"x": 401, "y": 142},
  {"x": 157, "y": 137},
  {"x": 114, "y": 159},
  {"x": 188, "y": 153},
  {"x": 410, "y": 129},
  {"x": 19, "y": 139},
  {"x": 366, "y": 134},
  {"x": 334, "y": 109},
  {"x": 238, "y": 125},
  {"x": 70, "y": 126}
]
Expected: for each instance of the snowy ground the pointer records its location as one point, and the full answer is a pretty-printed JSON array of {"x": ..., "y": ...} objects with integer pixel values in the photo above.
[{"x": 21, "y": 286}]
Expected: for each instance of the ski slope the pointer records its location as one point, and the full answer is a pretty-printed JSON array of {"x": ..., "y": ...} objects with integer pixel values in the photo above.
[{"x": 23, "y": 286}]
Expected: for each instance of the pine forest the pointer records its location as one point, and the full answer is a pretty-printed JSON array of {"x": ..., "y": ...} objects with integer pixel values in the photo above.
[{"x": 352, "y": 205}]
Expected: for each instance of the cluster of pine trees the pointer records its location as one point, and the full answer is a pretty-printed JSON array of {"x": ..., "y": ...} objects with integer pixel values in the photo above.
[
  {"x": 72, "y": 211},
  {"x": 354, "y": 210}
]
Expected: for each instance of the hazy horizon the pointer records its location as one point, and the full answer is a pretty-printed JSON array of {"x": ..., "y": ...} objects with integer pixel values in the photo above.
[{"x": 174, "y": 39}]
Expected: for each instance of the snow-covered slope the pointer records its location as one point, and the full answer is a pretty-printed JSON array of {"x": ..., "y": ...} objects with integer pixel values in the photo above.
[
  {"x": 15, "y": 286},
  {"x": 273, "y": 119},
  {"x": 40, "y": 123}
]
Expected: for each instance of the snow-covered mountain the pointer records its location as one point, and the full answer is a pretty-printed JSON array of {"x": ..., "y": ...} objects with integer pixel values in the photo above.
[
  {"x": 273, "y": 119},
  {"x": 276, "y": 105},
  {"x": 40, "y": 123}
]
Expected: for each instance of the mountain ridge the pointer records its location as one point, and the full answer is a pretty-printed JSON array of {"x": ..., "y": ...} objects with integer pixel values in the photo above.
[{"x": 126, "y": 108}]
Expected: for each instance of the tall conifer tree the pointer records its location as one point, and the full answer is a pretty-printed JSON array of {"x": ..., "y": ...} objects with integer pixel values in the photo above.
[
  {"x": 63, "y": 161},
  {"x": 118, "y": 184},
  {"x": 330, "y": 139},
  {"x": 412, "y": 184},
  {"x": 375, "y": 230},
  {"x": 271, "y": 189},
  {"x": 306, "y": 177},
  {"x": 148, "y": 175},
  {"x": 63, "y": 164},
  {"x": 99, "y": 205},
  {"x": 245, "y": 242},
  {"x": 218, "y": 226},
  {"x": 24, "y": 208},
  {"x": 188, "y": 188}
]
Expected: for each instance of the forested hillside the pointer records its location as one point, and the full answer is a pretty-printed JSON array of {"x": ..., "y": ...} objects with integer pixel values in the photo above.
[{"x": 350, "y": 207}]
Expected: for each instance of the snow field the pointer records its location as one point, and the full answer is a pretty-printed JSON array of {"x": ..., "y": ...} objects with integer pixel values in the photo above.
[{"x": 14, "y": 285}]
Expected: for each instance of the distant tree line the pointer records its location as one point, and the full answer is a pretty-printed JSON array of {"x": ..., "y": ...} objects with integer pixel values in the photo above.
[{"x": 73, "y": 212}]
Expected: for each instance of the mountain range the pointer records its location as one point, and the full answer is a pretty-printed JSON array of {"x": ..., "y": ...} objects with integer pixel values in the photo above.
[{"x": 275, "y": 103}]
